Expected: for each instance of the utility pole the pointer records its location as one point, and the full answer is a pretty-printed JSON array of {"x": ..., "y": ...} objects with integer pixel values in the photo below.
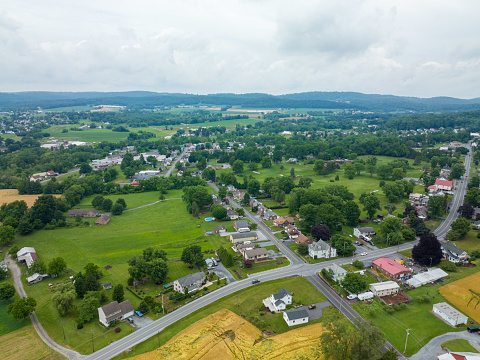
[
  {"x": 408, "y": 333},
  {"x": 63, "y": 329},
  {"x": 93, "y": 347},
  {"x": 388, "y": 235},
  {"x": 158, "y": 336},
  {"x": 430, "y": 261},
  {"x": 163, "y": 308}
]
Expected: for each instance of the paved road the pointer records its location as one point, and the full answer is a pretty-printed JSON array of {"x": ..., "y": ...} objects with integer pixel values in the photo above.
[
  {"x": 16, "y": 273},
  {"x": 68, "y": 172},
  {"x": 434, "y": 347},
  {"x": 169, "y": 172}
]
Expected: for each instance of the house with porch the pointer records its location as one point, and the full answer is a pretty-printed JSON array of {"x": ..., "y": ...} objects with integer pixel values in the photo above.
[
  {"x": 191, "y": 282},
  {"x": 115, "y": 311},
  {"x": 279, "y": 301},
  {"x": 452, "y": 253},
  {"x": 321, "y": 250}
]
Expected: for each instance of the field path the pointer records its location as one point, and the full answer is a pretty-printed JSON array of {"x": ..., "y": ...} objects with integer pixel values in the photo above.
[{"x": 16, "y": 273}]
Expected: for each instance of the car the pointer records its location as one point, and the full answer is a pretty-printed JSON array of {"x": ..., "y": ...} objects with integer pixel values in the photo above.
[
  {"x": 138, "y": 313},
  {"x": 363, "y": 254},
  {"x": 255, "y": 281},
  {"x": 351, "y": 296},
  {"x": 473, "y": 329},
  {"x": 312, "y": 306}
]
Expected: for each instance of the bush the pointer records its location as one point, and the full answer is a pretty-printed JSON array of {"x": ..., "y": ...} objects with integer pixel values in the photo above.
[
  {"x": 130, "y": 281},
  {"x": 331, "y": 180},
  {"x": 358, "y": 264},
  {"x": 388, "y": 310},
  {"x": 117, "y": 330},
  {"x": 448, "y": 266},
  {"x": 337, "y": 178},
  {"x": 79, "y": 326}
]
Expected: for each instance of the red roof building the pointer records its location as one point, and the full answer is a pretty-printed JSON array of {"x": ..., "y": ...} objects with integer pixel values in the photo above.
[
  {"x": 443, "y": 185},
  {"x": 135, "y": 183},
  {"x": 390, "y": 268}
]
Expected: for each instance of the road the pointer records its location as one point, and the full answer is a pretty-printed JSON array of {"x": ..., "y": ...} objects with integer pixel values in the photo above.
[
  {"x": 17, "y": 281},
  {"x": 68, "y": 172},
  {"x": 169, "y": 172},
  {"x": 296, "y": 268}
]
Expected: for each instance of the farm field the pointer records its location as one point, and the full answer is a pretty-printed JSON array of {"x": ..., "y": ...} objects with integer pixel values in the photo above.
[
  {"x": 227, "y": 123},
  {"x": 247, "y": 303},
  {"x": 464, "y": 294},
  {"x": 32, "y": 347},
  {"x": 227, "y": 336},
  {"x": 10, "y": 195}
]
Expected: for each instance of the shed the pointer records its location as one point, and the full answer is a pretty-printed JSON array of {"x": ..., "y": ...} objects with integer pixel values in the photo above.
[{"x": 449, "y": 314}]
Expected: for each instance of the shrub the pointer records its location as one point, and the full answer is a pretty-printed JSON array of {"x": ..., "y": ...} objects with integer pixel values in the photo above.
[
  {"x": 79, "y": 326},
  {"x": 117, "y": 330},
  {"x": 337, "y": 178},
  {"x": 130, "y": 281},
  {"x": 388, "y": 310},
  {"x": 448, "y": 266},
  {"x": 358, "y": 264},
  {"x": 331, "y": 180}
]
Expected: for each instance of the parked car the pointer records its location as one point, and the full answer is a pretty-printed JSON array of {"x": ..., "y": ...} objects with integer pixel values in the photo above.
[
  {"x": 138, "y": 313},
  {"x": 255, "y": 281},
  {"x": 351, "y": 296},
  {"x": 473, "y": 329},
  {"x": 363, "y": 254},
  {"x": 312, "y": 306}
]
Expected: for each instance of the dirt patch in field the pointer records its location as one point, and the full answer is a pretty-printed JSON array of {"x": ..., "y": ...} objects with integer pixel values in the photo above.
[
  {"x": 32, "y": 347},
  {"x": 226, "y": 336},
  {"x": 10, "y": 195},
  {"x": 465, "y": 295}
]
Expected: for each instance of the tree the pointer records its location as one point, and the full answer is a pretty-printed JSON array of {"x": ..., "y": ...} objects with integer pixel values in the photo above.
[
  {"x": 305, "y": 182},
  {"x": 64, "y": 298},
  {"x": 461, "y": 226},
  {"x": 457, "y": 171},
  {"x": 118, "y": 293},
  {"x": 93, "y": 270},
  {"x": 192, "y": 255},
  {"x": 371, "y": 204},
  {"x": 222, "y": 192},
  {"x": 91, "y": 283},
  {"x": 85, "y": 168},
  {"x": 158, "y": 270},
  {"x": 472, "y": 197},
  {"x": 390, "y": 354},
  {"x": 390, "y": 227},
  {"x": 354, "y": 283},
  {"x": 89, "y": 306},
  {"x": 436, "y": 205},
  {"x": 350, "y": 171},
  {"x": 25, "y": 227},
  {"x": 419, "y": 226},
  {"x": 6, "y": 291},
  {"x": 320, "y": 232},
  {"x": 253, "y": 187},
  {"x": 398, "y": 174},
  {"x": 252, "y": 166},
  {"x": 122, "y": 202},
  {"x": 371, "y": 169},
  {"x": 343, "y": 245},
  {"x": 3, "y": 272},
  {"x": 351, "y": 212},
  {"x": 318, "y": 166},
  {"x": 219, "y": 212},
  {"x": 358, "y": 264},
  {"x": 22, "y": 308},
  {"x": 107, "y": 204},
  {"x": 359, "y": 166},
  {"x": 237, "y": 166},
  {"x": 428, "y": 251},
  {"x": 292, "y": 172},
  {"x": 302, "y": 249},
  {"x": 56, "y": 266},
  {"x": 143, "y": 307},
  {"x": 117, "y": 209},
  {"x": 267, "y": 162},
  {"x": 466, "y": 210},
  {"x": 97, "y": 201},
  {"x": 225, "y": 257},
  {"x": 246, "y": 199},
  {"x": 7, "y": 235},
  {"x": 341, "y": 341},
  {"x": 240, "y": 211},
  {"x": 384, "y": 171}
]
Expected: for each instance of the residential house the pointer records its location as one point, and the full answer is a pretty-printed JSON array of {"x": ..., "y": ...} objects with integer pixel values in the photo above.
[
  {"x": 219, "y": 229},
  {"x": 36, "y": 278},
  {"x": 302, "y": 239},
  {"x": 238, "y": 194},
  {"x": 337, "y": 271},
  {"x": 83, "y": 212},
  {"x": 321, "y": 250},
  {"x": 452, "y": 253},
  {"x": 231, "y": 215},
  {"x": 449, "y": 314},
  {"x": 262, "y": 209},
  {"x": 292, "y": 160},
  {"x": 107, "y": 286},
  {"x": 284, "y": 221},
  {"x": 51, "y": 173},
  {"x": 243, "y": 237},
  {"x": 254, "y": 203},
  {"x": 422, "y": 212},
  {"x": 241, "y": 226},
  {"x": 279, "y": 301},
  {"x": 295, "y": 317},
  {"x": 269, "y": 215},
  {"x": 103, "y": 220},
  {"x": 443, "y": 185},
  {"x": 363, "y": 231},
  {"x": 27, "y": 255},
  {"x": 115, "y": 311},
  {"x": 384, "y": 288},
  {"x": 476, "y": 214},
  {"x": 414, "y": 197},
  {"x": 36, "y": 178},
  {"x": 255, "y": 254},
  {"x": 292, "y": 231},
  {"x": 390, "y": 268},
  {"x": 459, "y": 356},
  {"x": 191, "y": 282}
]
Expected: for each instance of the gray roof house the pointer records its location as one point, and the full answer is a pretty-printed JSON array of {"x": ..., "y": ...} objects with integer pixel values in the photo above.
[
  {"x": 279, "y": 301},
  {"x": 295, "y": 317},
  {"x": 452, "y": 253},
  {"x": 321, "y": 249},
  {"x": 241, "y": 225},
  {"x": 191, "y": 282},
  {"x": 115, "y": 311}
]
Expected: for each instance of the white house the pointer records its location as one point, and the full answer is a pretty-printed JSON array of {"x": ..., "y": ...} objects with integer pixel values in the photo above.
[
  {"x": 191, "y": 282},
  {"x": 449, "y": 314},
  {"x": 279, "y": 301},
  {"x": 365, "y": 231},
  {"x": 36, "y": 278},
  {"x": 384, "y": 288},
  {"x": 295, "y": 317},
  {"x": 321, "y": 249},
  {"x": 452, "y": 253},
  {"x": 337, "y": 271},
  {"x": 459, "y": 356},
  {"x": 115, "y": 311},
  {"x": 241, "y": 226},
  {"x": 27, "y": 255}
]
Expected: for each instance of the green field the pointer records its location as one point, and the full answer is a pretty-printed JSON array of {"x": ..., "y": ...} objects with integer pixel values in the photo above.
[
  {"x": 227, "y": 123},
  {"x": 459, "y": 345},
  {"x": 244, "y": 303},
  {"x": 70, "y": 108},
  {"x": 7, "y": 322}
]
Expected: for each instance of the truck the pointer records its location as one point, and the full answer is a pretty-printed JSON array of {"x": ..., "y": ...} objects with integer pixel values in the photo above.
[{"x": 365, "y": 296}]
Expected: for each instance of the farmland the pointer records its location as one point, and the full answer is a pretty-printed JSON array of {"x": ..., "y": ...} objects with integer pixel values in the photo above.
[
  {"x": 224, "y": 335},
  {"x": 464, "y": 294},
  {"x": 10, "y": 195}
]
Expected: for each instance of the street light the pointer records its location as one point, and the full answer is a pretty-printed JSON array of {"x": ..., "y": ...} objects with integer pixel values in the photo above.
[{"x": 408, "y": 333}]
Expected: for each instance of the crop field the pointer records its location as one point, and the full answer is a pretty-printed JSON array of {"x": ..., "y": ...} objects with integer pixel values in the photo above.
[
  {"x": 10, "y": 195},
  {"x": 32, "y": 347},
  {"x": 247, "y": 303},
  {"x": 225, "y": 335},
  {"x": 226, "y": 123},
  {"x": 464, "y": 294}
]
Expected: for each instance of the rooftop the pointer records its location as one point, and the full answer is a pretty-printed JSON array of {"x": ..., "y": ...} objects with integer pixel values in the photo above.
[
  {"x": 385, "y": 285},
  {"x": 296, "y": 314},
  {"x": 389, "y": 265},
  {"x": 448, "y": 310}
]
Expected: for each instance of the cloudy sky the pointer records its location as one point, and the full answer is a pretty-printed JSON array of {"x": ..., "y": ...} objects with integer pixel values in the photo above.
[{"x": 403, "y": 47}]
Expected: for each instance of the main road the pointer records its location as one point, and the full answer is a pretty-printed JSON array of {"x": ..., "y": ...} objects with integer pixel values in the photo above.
[{"x": 296, "y": 268}]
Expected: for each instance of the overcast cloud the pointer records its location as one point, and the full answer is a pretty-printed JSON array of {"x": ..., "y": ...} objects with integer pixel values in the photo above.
[{"x": 416, "y": 48}]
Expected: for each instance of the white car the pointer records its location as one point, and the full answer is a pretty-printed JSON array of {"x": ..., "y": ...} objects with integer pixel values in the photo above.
[
  {"x": 351, "y": 296},
  {"x": 363, "y": 254}
]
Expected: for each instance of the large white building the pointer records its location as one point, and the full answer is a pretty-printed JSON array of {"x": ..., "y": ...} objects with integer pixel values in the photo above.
[
  {"x": 321, "y": 250},
  {"x": 384, "y": 288},
  {"x": 449, "y": 314}
]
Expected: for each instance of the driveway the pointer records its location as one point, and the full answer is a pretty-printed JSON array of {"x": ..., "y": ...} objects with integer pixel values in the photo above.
[
  {"x": 222, "y": 272},
  {"x": 434, "y": 348},
  {"x": 316, "y": 313},
  {"x": 139, "y": 322}
]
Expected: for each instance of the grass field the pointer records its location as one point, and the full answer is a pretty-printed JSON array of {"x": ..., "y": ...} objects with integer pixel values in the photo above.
[
  {"x": 465, "y": 295},
  {"x": 459, "y": 345},
  {"x": 7, "y": 322},
  {"x": 26, "y": 344},
  {"x": 245, "y": 303},
  {"x": 226, "y": 123}
]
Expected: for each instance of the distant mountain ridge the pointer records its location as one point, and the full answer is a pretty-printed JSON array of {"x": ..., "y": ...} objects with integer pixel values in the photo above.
[{"x": 315, "y": 99}]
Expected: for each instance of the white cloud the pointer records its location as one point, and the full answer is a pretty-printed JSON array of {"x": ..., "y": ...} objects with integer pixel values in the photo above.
[{"x": 428, "y": 48}]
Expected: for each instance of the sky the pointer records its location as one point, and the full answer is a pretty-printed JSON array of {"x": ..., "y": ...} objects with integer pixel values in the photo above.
[{"x": 412, "y": 48}]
